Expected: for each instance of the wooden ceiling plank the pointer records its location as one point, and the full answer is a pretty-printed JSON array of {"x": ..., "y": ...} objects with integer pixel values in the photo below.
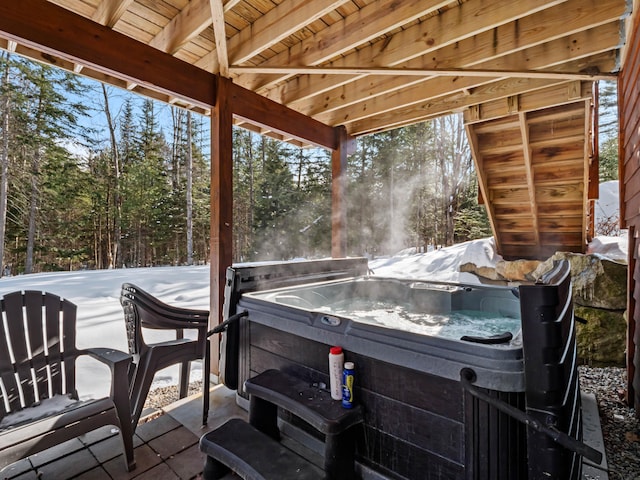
[
  {"x": 535, "y": 100},
  {"x": 109, "y": 12},
  {"x": 276, "y": 25},
  {"x": 186, "y": 25},
  {"x": 366, "y": 24},
  {"x": 219, "y": 32}
]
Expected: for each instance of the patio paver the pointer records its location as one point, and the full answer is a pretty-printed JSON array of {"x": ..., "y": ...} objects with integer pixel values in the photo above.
[{"x": 166, "y": 447}]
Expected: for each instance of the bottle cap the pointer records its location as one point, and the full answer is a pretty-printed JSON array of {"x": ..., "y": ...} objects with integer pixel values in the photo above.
[
  {"x": 335, "y": 350},
  {"x": 349, "y": 365}
]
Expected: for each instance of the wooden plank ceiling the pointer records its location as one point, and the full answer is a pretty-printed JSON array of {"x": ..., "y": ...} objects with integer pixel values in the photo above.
[
  {"x": 533, "y": 173},
  {"x": 374, "y": 65}
]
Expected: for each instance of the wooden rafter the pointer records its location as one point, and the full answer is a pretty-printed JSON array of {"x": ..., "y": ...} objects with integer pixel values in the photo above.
[
  {"x": 185, "y": 26},
  {"x": 109, "y": 12},
  {"x": 287, "y": 18},
  {"x": 219, "y": 32}
]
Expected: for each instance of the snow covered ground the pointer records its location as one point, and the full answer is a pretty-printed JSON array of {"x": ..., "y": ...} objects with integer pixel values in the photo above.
[{"x": 100, "y": 316}]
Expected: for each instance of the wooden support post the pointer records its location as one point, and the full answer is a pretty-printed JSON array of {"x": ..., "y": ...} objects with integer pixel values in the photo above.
[
  {"x": 221, "y": 205},
  {"x": 338, "y": 204}
]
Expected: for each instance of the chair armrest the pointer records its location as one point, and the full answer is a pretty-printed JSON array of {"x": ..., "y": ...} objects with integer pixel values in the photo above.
[
  {"x": 109, "y": 356},
  {"x": 119, "y": 363}
]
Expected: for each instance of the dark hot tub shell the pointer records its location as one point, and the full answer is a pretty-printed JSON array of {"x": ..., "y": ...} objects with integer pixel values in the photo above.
[{"x": 419, "y": 421}]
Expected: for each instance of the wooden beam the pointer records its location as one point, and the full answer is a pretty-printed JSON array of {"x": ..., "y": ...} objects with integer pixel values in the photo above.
[
  {"x": 411, "y": 72},
  {"x": 59, "y": 32},
  {"x": 185, "y": 26},
  {"x": 230, "y": 4},
  {"x": 277, "y": 24},
  {"x": 338, "y": 191},
  {"x": 266, "y": 113},
  {"x": 219, "y": 32},
  {"x": 528, "y": 168},
  {"x": 110, "y": 11},
  {"x": 483, "y": 188},
  {"x": 221, "y": 204}
]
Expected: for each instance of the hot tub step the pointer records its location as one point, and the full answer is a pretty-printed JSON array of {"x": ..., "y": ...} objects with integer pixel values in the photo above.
[
  {"x": 273, "y": 388},
  {"x": 312, "y": 404},
  {"x": 252, "y": 455}
]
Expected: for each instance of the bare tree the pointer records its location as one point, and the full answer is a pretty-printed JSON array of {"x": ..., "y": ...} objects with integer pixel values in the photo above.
[
  {"x": 189, "y": 193},
  {"x": 114, "y": 243},
  {"x": 4, "y": 155}
]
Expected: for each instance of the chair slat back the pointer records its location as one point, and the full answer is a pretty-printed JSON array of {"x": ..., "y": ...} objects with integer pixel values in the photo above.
[
  {"x": 37, "y": 348},
  {"x": 143, "y": 310}
]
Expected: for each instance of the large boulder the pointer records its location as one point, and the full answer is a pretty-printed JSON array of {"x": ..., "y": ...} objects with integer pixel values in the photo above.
[
  {"x": 601, "y": 340},
  {"x": 597, "y": 281}
]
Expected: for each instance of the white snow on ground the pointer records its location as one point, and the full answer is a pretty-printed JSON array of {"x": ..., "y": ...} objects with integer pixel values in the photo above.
[
  {"x": 101, "y": 320},
  {"x": 100, "y": 317}
]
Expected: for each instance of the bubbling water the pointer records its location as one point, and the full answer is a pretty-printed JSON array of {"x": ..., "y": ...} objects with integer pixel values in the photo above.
[{"x": 452, "y": 325}]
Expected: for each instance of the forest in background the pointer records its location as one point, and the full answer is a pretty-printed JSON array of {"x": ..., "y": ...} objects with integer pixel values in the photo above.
[{"x": 92, "y": 177}]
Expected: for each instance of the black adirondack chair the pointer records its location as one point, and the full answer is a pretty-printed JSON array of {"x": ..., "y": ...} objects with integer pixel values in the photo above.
[
  {"x": 143, "y": 310},
  {"x": 39, "y": 405}
]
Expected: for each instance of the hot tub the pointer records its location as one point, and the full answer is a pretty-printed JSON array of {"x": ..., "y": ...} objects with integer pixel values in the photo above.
[
  {"x": 431, "y": 327},
  {"x": 411, "y": 341}
]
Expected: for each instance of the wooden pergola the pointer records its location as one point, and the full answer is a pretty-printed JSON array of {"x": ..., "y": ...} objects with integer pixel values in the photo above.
[{"x": 322, "y": 72}]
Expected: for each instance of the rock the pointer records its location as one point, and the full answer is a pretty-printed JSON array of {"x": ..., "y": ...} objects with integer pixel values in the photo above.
[
  {"x": 481, "y": 271},
  {"x": 601, "y": 341},
  {"x": 597, "y": 282},
  {"x": 517, "y": 270}
]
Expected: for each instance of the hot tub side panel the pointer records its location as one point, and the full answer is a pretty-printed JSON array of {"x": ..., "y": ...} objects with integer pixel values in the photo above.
[
  {"x": 551, "y": 372},
  {"x": 417, "y": 425}
]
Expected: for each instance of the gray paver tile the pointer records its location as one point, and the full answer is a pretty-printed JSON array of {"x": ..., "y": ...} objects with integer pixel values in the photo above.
[
  {"x": 145, "y": 457},
  {"x": 68, "y": 466},
  {"x": 173, "y": 442},
  {"x": 155, "y": 428},
  {"x": 188, "y": 463},
  {"x": 15, "y": 469},
  {"x": 99, "y": 434},
  {"x": 29, "y": 475},
  {"x": 97, "y": 473},
  {"x": 159, "y": 472},
  {"x": 56, "y": 452},
  {"x": 107, "y": 449}
]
